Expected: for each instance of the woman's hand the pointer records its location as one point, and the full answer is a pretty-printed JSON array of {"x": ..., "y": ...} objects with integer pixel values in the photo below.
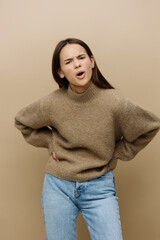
[
  {"x": 108, "y": 169},
  {"x": 54, "y": 156}
]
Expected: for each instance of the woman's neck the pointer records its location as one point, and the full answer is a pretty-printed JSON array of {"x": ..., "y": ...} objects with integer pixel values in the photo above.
[{"x": 80, "y": 89}]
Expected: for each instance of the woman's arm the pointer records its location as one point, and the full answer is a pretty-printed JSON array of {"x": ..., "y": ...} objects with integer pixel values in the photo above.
[
  {"x": 33, "y": 126},
  {"x": 138, "y": 126}
]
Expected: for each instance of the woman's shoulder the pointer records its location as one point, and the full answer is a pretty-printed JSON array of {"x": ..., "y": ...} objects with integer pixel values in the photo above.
[
  {"x": 112, "y": 95},
  {"x": 54, "y": 95}
]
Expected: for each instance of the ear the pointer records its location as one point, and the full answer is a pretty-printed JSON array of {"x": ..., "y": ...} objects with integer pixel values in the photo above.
[
  {"x": 92, "y": 61},
  {"x": 60, "y": 73}
]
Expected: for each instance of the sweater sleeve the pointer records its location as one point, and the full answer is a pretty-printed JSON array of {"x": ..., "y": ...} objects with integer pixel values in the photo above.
[
  {"x": 137, "y": 126},
  {"x": 32, "y": 124}
]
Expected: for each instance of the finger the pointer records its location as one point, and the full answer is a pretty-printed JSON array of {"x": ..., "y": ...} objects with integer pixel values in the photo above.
[
  {"x": 54, "y": 156},
  {"x": 108, "y": 169}
]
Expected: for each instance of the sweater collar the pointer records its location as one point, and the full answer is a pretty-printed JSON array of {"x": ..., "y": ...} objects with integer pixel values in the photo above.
[{"x": 89, "y": 93}]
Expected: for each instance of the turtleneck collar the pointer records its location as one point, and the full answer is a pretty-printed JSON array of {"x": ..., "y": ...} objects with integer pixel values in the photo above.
[{"x": 90, "y": 92}]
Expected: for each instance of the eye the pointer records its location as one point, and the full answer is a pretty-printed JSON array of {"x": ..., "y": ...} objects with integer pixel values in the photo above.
[
  {"x": 68, "y": 62},
  {"x": 82, "y": 57}
]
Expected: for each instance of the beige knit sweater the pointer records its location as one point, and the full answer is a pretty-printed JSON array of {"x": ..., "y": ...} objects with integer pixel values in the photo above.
[{"x": 87, "y": 131}]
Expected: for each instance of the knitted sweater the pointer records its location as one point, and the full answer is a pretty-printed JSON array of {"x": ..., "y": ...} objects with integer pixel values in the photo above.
[{"x": 87, "y": 131}]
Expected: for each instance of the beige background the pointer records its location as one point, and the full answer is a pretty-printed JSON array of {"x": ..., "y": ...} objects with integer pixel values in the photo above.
[{"x": 125, "y": 39}]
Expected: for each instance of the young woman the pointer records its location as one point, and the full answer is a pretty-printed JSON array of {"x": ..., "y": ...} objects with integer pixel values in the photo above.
[{"x": 87, "y": 125}]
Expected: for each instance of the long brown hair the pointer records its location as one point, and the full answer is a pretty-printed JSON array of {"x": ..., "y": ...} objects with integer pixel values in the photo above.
[{"x": 97, "y": 77}]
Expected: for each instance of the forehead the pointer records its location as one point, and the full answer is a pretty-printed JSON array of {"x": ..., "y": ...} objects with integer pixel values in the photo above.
[{"x": 71, "y": 50}]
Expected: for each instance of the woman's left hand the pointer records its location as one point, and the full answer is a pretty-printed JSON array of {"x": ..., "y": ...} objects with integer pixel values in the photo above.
[{"x": 108, "y": 169}]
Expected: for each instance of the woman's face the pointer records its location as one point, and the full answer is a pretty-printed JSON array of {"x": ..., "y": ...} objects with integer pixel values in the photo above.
[{"x": 76, "y": 66}]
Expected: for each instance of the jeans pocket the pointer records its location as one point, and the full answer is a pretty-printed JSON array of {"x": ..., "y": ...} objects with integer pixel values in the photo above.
[
  {"x": 109, "y": 175},
  {"x": 107, "y": 181}
]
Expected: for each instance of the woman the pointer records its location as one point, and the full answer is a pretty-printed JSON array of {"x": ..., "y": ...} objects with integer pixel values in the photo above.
[{"x": 87, "y": 125}]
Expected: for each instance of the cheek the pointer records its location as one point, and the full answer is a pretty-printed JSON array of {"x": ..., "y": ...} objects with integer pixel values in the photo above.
[
  {"x": 67, "y": 72},
  {"x": 70, "y": 71},
  {"x": 88, "y": 66},
  {"x": 89, "y": 69}
]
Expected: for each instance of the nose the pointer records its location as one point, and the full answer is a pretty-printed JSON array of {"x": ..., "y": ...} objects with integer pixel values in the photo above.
[{"x": 76, "y": 63}]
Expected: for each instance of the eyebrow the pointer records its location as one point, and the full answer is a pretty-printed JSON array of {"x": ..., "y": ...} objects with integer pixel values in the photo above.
[{"x": 77, "y": 56}]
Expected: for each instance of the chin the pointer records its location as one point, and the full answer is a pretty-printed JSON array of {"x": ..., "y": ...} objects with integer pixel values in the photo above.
[{"x": 84, "y": 82}]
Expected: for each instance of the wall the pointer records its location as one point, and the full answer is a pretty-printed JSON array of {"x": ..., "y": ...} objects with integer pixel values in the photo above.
[{"x": 125, "y": 39}]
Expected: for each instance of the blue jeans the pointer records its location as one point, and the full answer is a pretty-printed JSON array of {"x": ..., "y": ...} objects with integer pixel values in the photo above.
[{"x": 96, "y": 200}]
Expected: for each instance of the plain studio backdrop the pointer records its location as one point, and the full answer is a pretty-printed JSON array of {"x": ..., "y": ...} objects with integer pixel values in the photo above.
[{"x": 125, "y": 39}]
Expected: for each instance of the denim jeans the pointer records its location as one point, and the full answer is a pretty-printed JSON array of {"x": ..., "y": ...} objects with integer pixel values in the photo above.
[{"x": 96, "y": 200}]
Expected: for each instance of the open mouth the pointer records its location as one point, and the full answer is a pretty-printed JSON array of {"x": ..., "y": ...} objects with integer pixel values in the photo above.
[{"x": 80, "y": 74}]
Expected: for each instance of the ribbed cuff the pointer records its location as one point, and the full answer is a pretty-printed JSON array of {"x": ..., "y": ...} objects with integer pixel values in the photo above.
[
  {"x": 50, "y": 148},
  {"x": 113, "y": 162}
]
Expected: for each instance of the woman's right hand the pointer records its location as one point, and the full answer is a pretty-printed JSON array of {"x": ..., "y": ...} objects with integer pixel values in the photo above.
[
  {"x": 54, "y": 156},
  {"x": 108, "y": 169}
]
